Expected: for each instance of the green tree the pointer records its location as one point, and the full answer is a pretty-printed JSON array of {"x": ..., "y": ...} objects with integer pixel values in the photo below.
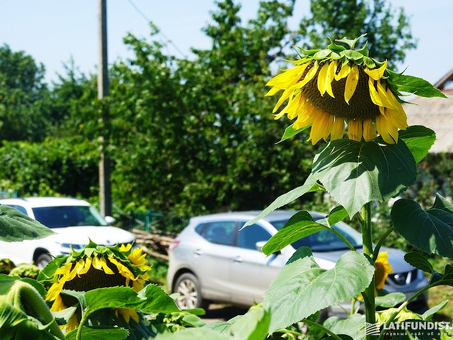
[
  {"x": 387, "y": 29},
  {"x": 24, "y": 97},
  {"x": 190, "y": 134}
]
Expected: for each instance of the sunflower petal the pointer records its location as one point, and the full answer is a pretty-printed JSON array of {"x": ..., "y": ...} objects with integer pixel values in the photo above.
[
  {"x": 337, "y": 129},
  {"x": 286, "y": 94},
  {"x": 351, "y": 83},
  {"x": 323, "y": 80},
  {"x": 369, "y": 132},
  {"x": 375, "y": 98},
  {"x": 355, "y": 129},
  {"x": 344, "y": 72},
  {"x": 388, "y": 131},
  {"x": 309, "y": 76},
  {"x": 105, "y": 267},
  {"x": 377, "y": 74},
  {"x": 321, "y": 127},
  {"x": 330, "y": 77}
]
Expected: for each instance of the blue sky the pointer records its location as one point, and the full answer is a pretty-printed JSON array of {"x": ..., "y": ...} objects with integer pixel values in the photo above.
[{"x": 54, "y": 31}]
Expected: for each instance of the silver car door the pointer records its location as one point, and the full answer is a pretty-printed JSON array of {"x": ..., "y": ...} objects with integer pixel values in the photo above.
[
  {"x": 251, "y": 270},
  {"x": 213, "y": 259}
]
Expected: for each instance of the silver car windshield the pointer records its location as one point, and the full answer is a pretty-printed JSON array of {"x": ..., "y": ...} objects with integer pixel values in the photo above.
[
  {"x": 68, "y": 216},
  {"x": 325, "y": 240}
]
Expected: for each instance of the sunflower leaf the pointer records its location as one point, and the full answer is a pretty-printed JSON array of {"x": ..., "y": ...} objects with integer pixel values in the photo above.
[
  {"x": 416, "y": 259},
  {"x": 99, "y": 333},
  {"x": 16, "y": 226},
  {"x": 430, "y": 231},
  {"x": 369, "y": 62},
  {"x": 350, "y": 43},
  {"x": 418, "y": 139},
  {"x": 302, "y": 287},
  {"x": 151, "y": 299},
  {"x": 194, "y": 334},
  {"x": 336, "y": 215},
  {"x": 390, "y": 300},
  {"x": 352, "y": 327},
  {"x": 322, "y": 54},
  {"x": 354, "y": 55},
  {"x": 356, "y": 173},
  {"x": 415, "y": 85},
  {"x": 80, "y": 296},
  {"x": 334, "y": 47},
  {"x": 298, "y": 226},
  {"x": 291, "y": 132},
  {"x": 310, "y": 185}
]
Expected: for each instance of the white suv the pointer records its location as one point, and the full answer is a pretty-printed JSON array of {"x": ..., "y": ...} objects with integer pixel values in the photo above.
[{"x": 74, "y": 221}]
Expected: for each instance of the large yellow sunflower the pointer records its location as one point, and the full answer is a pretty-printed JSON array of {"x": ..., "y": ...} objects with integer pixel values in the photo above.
[
  {"x": 328, "y": 89},
  {"x": 98, "y": 267},
  {"x": 382, "y": 268}
]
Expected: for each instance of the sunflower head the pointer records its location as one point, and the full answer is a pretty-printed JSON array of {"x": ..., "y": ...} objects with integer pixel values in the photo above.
[
  {"x": 382, "y": 268},
  {"x": 96, "y": 267},
  {"x": 338, "y": 86}
]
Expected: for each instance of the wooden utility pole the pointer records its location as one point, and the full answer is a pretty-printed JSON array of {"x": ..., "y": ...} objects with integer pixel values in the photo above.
[{"x": 105, "y": 190}]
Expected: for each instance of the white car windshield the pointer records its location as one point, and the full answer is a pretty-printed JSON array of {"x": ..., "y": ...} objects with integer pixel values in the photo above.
[{"x": 68, "y": 216}]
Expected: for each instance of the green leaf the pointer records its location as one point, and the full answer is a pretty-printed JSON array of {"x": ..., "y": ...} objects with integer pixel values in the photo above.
[
  {"x": 151, "y": 299},
  {"x": 445, "y": 279},
  {"x": 417, "y": 260},
  {"x": 433, "y": 310},
  {"x": 99, "y": 333},
  {"x": 291, "y": 132},
  {"x": 369, "y": 62},
  {"x": 348, "y": 42},
  {"x": 15, "y": 226},
  {"x": 353, "y": 326},
  {"x": 219, "y": 327},
  {"x": 355, "y": 173},
  {"x": 336, "y": 215},
  {"x": 193, "y": 334},
  {"x": 298, "y": 226},
  {"x": 415, "y": 85},
  {"x": 80, "y": 296},
  {"x": 322, "y": 54},
  {"x": 64, "y": 315},
  {"x": 303, "y": 288},
  {"x": 309, "y": 186},
  {"x": 431, "y": 231},
  {"x": 354, "y": 55},
  {"x": 419, "y": 140},
  {"x": 253, "y": 325},
  {"x": 390, "y": 300}
]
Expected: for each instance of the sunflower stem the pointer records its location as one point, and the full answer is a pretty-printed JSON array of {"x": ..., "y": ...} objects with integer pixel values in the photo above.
[
  {"x": 381, "y": 242},
  {"x": 367, "y": 239},
  {"x": 82, "y": 322}
]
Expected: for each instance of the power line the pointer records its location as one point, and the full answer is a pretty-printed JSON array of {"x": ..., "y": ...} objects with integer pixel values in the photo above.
[{"x": 160, "y": 31}]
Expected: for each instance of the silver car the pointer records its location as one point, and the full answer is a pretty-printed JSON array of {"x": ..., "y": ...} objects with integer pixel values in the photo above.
[{"x": 212, "y": 260}]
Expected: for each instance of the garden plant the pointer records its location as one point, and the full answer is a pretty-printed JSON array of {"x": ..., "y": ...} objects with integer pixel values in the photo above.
[{"x": 102, "y": 292}]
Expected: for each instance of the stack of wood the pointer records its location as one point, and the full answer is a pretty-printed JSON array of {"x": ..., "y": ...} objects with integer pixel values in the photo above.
[{"x": 154, "y": 244}]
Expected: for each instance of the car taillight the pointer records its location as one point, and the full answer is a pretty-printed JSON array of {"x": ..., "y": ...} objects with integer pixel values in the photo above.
[{"x": 173, "y": 245}]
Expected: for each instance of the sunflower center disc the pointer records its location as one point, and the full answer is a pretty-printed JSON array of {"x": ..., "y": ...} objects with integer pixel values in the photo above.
[{"x": 360, "y": 106}]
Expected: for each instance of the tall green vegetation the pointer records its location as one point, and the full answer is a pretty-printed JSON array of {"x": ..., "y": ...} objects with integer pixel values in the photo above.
[{"x": 189, "y": 136}]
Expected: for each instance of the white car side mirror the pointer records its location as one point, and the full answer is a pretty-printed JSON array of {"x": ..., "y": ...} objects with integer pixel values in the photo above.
[{"x": 109, "y": 219}]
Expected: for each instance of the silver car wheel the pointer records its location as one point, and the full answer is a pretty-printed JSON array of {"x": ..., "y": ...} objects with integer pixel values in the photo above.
[
  {"x": 189, "y": 294},
  {"x": 188, "y": 287}
]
